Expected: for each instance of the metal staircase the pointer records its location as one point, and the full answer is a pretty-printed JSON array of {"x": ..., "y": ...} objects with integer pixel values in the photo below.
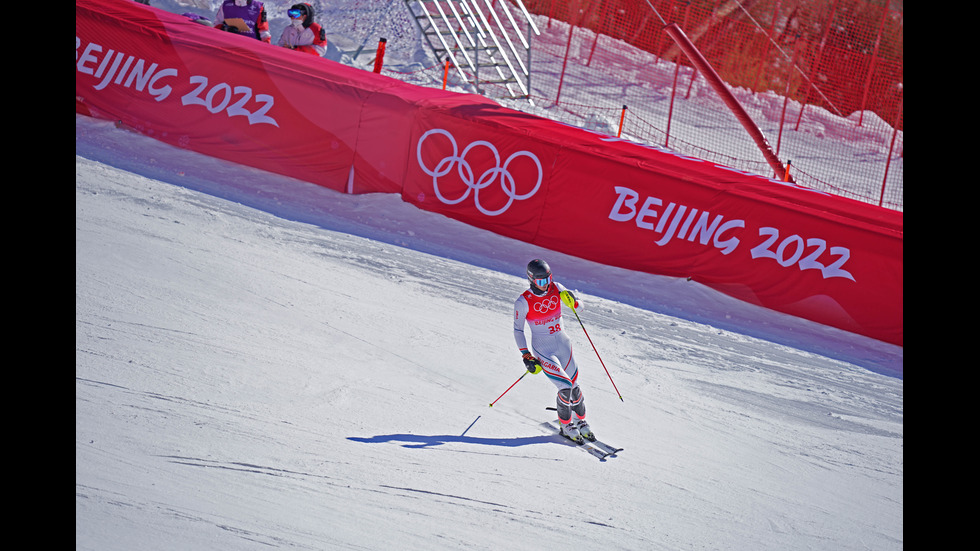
[{"x": 481, "y": 39}]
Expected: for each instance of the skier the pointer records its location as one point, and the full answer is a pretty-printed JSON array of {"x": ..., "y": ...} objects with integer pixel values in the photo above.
[{"x": 551, "y": 350}]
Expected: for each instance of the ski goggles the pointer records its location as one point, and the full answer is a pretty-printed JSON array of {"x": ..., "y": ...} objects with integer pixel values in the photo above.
[
  {"x": 542, "y": 283},
  {"x": 296, "y": 14}
]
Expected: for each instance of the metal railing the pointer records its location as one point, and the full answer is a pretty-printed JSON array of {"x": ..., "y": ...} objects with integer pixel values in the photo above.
[{"x": 471, "y": 38}]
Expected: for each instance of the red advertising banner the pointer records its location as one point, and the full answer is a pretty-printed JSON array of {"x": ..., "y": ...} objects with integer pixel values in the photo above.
[
  {"x": 236, "y": 98},
  {"x": 808, "y": 254},
  {"x": 823, "y": 258}
]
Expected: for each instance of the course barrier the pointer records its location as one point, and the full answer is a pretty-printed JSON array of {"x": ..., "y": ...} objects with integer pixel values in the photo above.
[{"x": 824, "y": 258}]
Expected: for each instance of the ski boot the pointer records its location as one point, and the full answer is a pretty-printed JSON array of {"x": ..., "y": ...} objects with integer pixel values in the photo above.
[
  {"x": 570, "y": 431},
  {"x": 585, "y": 431}
]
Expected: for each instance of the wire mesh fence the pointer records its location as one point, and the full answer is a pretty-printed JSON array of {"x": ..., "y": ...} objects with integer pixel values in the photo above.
[{"x": 822, "y": 79}]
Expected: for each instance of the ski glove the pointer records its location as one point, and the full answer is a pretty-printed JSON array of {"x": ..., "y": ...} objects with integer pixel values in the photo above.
[
  {"x": 569, "y": 299},
  {"x": 531, "y": 363}
]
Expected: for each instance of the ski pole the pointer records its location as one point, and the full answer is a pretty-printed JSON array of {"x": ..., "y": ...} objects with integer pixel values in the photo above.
[
  {"x": 597, "y": 354},
  {"x": 508, "y": 389}
]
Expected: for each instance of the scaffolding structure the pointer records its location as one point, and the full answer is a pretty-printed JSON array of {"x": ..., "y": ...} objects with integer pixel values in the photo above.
[{"x": 484, "y": 43}]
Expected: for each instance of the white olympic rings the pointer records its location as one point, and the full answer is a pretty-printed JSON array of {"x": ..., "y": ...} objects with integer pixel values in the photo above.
[
  {"x": 465, "y": 171},
  {"x": 546, "y": 306}
]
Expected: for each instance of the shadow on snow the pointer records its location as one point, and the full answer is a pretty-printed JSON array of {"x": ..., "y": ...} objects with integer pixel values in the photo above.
[{"x": 423, "y": 441}]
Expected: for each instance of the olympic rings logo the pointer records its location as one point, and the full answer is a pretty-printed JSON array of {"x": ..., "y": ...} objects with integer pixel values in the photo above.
[
  {"x": 546, "y": 306},
  {"x": 466, "y": 174}
]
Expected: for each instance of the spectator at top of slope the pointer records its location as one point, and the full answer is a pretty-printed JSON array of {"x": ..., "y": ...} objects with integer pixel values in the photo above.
[
  {"x": 304, "y": 34},
  {"x": 244, "y": 17}
]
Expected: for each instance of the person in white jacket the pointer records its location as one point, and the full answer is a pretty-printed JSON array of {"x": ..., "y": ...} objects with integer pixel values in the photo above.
[
  {"x": 304, "y": 34},
  {"x": 551, "y": 350}
]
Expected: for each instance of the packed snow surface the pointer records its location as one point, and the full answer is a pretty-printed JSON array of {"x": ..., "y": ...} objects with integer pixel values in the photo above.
[{"x": 262, "y": 362}]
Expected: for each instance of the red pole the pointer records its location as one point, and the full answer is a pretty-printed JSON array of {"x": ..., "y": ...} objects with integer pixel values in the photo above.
[
  {"x": 789, "y": 80},
  {"x": 508, "y": 388},
  {"x": 599, "y": 27},
  {"x": 596, "y": 355},
  {"x": 380, "y": 60},
  {"x": 445, "y": 74},
  {"x": 765, "y": 52},
  {"x": 670, "y": 109},
  {"x": 622, "y": 117},
  {"x": 871, "y": 65},
  {"x": 891, "y": 148},
  {"x": 692, "y": 53},
  {"x": 816, "y": 65},
  {"x": 673, "y": 88},
  {"x": 561, "y": 79}
]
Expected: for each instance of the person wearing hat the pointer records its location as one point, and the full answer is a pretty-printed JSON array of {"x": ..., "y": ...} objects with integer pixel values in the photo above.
[
  {"x": 303, "y": 34},
  {"x": 244, "y": 17}
]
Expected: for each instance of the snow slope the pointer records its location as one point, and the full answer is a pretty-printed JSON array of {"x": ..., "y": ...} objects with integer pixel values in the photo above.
[{"x": 264, "y": 363}]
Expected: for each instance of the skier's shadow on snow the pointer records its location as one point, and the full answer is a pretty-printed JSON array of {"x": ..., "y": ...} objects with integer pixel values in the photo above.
[{"x": 424, "y": 441}]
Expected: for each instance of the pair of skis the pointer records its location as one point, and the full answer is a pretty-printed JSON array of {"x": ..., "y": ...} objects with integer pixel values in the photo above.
[{"x": 597, "y": 448}]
